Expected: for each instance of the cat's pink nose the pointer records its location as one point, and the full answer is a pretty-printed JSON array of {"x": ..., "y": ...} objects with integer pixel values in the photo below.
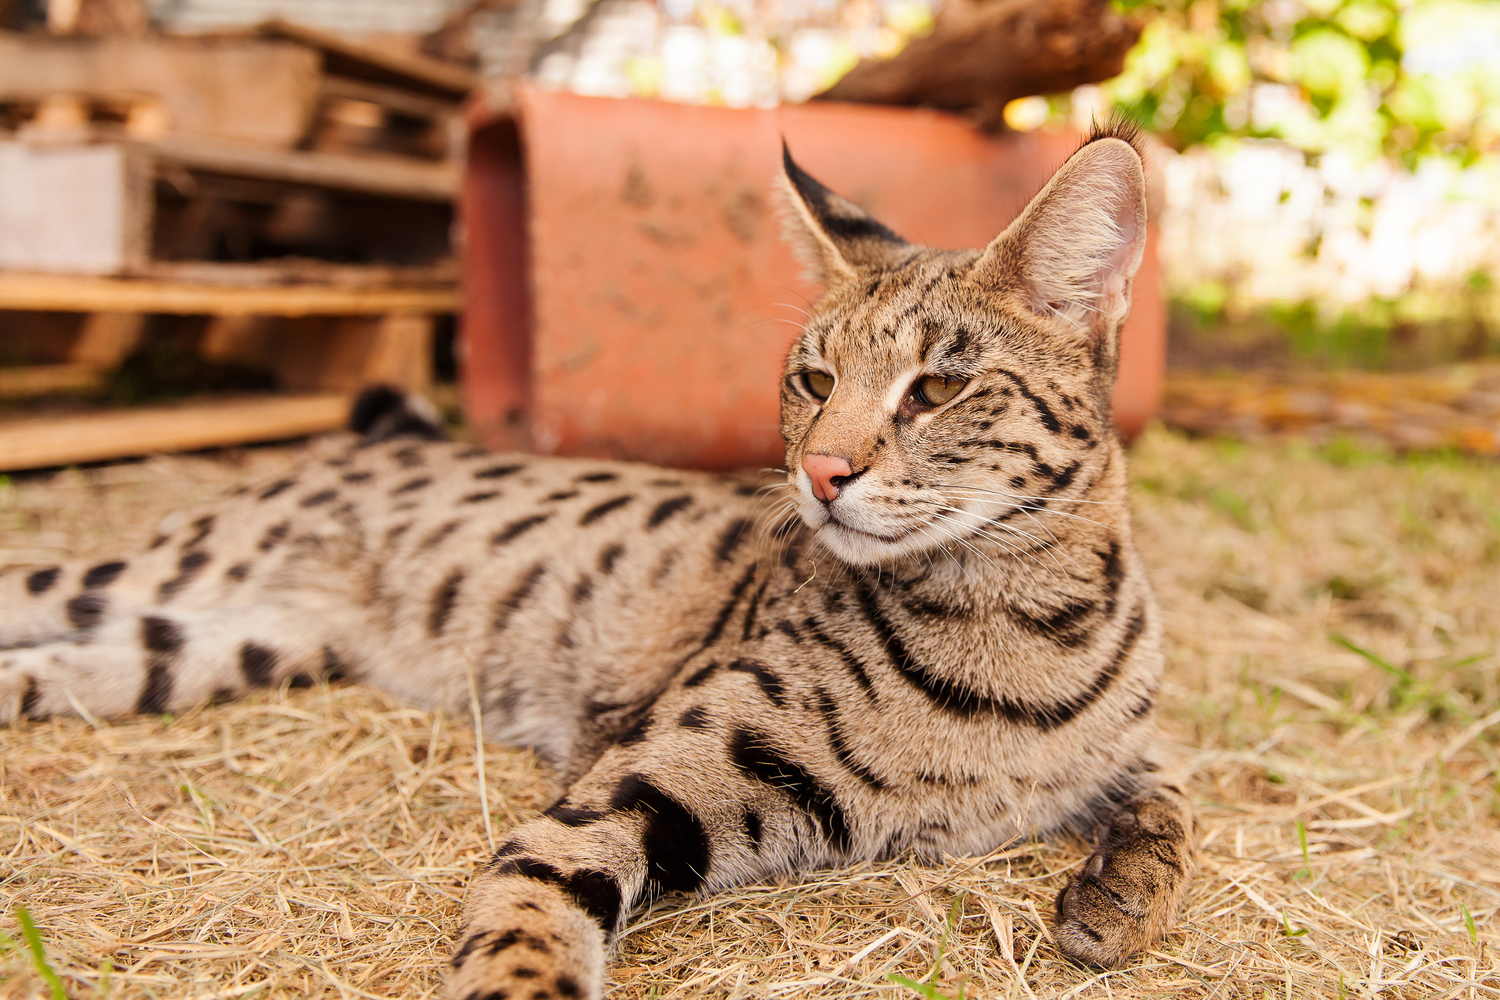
[{"x": 827, "y": 473}]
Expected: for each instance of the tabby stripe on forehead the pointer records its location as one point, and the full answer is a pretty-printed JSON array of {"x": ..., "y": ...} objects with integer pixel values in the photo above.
[
  {"x": 511, "y": 603},
  {"x": 595, "y": 513},
  {"x": 1049, "y": 419},
  {"x": 752, "y": 753},
  {"x": 442, "y": 602},
  {"x": 840, "y": 745}
]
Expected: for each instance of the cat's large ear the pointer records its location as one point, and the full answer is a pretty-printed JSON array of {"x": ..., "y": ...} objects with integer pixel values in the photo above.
[
  {"x": 831, "y": 236},
  {"x": 1074, "y": 251}
]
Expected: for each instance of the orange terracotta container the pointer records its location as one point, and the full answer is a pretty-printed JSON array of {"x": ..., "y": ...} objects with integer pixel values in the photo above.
[{"x": 627, "y": 291}]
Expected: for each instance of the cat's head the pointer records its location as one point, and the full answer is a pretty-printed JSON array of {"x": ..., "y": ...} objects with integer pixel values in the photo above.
[{"x": 937, "y": 395}]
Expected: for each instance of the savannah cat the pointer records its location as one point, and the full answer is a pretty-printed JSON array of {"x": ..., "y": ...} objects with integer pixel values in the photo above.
[{"x": 934, "y": 635}]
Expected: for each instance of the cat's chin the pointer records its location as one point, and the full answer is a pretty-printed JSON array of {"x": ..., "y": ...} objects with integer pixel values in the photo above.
[{"x": 861, "y": 548}]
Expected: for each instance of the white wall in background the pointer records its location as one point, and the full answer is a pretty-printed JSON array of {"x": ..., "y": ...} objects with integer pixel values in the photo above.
[{"x": 355, "y": 16}]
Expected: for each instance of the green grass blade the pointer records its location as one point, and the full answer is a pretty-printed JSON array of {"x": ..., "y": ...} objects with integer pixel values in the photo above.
[
  {"x": 1469, "y": 923},
  {"x": 921, "y": 989},
  {"x": 1374, "y": 658},
  {"x": 39, "y": 954}
]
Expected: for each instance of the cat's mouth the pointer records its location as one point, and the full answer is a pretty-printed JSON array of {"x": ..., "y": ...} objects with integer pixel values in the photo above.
[{"x": 834, "y": 522}]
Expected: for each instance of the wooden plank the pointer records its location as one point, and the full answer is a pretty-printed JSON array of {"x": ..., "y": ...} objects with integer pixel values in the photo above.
[
  {"x": 42, "y": 442},
  {"x": 394, "y": 98},
  {"x": 251, "y": 89},
  {"x": 39, "y": 380},
  {"x": 107, "y": 338},
  {"x": 69, "y": 293},
  {"x": 352, "y": 59},
  {"x": 396, "y": 176}
]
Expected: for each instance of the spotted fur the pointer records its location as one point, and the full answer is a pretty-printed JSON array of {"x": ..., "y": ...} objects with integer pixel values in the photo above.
[{"x": 958, "y": 649}]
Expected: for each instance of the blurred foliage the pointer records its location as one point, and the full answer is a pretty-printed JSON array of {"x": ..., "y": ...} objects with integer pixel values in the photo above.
[{"x": 1408, "y": 79}]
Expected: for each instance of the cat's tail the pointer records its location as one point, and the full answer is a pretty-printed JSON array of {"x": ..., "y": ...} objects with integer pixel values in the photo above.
[{"x": 382, "y": 412}]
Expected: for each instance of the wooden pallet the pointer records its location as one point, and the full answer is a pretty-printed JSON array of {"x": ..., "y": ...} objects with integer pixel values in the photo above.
[{"x": 323, "y": 342}]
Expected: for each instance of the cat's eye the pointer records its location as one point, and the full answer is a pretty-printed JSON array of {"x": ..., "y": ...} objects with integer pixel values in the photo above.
[
  {"x": 935, "y": 390},
  {"x": 819, "y": 385}
]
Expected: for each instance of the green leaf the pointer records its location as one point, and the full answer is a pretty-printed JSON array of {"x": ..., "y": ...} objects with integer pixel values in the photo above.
[
  {"x": 1302, "y": 839},
  {"x": 39, "y": 954},
  {"x": 1469, "y": 923}
]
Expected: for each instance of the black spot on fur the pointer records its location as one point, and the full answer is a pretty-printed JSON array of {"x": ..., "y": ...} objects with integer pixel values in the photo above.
[
  {"x": 516, "y": 529},
  {"x": 42, "y": 580},
  {"x": 319, "y": 498},
  {"x": 572, "y": 815},
  {"x": 409, "y": 457},
  {"x": 441, "y": 604},
  {"x": 103, "y": 575},
  {"x": 700, "y": 675},
  {"x": 598, "y": 477},
  {"x": 412, "y": 485},
  {"x": 277, "y": 488},
  {"x": 840, "y": 743},
  {"x": 636, "y": 731},
  {"x": 86, "y": 611},
  {"x": 609, "y": 557},
  {"x": 511, "y": 603},
  {"x": 757, "y": 760},
  {"x": 256, "y": 664},
  {"x": 594, "y": 891},
  {"x": 753, "y": 829},
  {"x": 30, "y": 699},
  {"x": 161, "y": 635},
  {"x": 382, "y": 412},
  {"x": 157, "y": 691},
  {"x": 498, "y": 471},
  {"x": 730, "y": 540},
  {"x": 722, "y": 618},
  {"x": 355, "y": 477},
  {"x": 187, "y": 567},
  {"x": 849, "y": 660},
  {"x": 274, "y": 536},
  {"x": 481, "y": 496},
  {"x": 560, "y": 496},
  {"x": 595, "y": 513},
  {"x": 694, "y": 718},
  {"x": 435, "y": 539},
  {"x": 567, "y": 987},
  {"x": 770, "y": 684},
  {"x": 667, "y": 508},
  {"x": 583, "y": 589},
  {"x": 675, "y": 842},
  {"x": 201, "y": 529}
]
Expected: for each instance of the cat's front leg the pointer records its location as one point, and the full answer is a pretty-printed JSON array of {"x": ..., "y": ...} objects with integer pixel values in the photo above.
[
  {"x": 1130, "y": 889},
  {"x": 674, "y": 812}
]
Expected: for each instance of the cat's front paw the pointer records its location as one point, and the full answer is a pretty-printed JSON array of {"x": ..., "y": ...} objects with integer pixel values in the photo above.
[
  {"x": 528, "y": 949},
  {"x": 1129, "y": 890}
]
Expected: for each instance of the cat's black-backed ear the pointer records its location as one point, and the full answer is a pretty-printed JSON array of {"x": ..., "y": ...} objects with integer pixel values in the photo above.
[
  {"x": 832, "y": 237},
  {"x": 1073, "y": 253}
]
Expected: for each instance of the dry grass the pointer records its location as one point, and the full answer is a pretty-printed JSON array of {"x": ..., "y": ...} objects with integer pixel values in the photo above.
[{"x": 315, "y": 843}]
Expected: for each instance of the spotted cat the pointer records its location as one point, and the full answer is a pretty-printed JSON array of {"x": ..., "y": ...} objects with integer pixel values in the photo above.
[{"x": 934, "y": 635}]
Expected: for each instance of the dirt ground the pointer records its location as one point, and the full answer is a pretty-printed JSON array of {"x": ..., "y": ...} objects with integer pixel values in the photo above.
[{"x": 1331, "y": 700}]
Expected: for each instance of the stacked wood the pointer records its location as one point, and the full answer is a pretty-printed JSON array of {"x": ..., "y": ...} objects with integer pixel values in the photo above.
[
  {"x": 982, "y": 54},
  {"x": 291, "y": 189}
]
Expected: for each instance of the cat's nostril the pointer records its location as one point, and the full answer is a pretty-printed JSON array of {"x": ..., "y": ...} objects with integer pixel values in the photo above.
[{"x": 828, "y": 473}]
